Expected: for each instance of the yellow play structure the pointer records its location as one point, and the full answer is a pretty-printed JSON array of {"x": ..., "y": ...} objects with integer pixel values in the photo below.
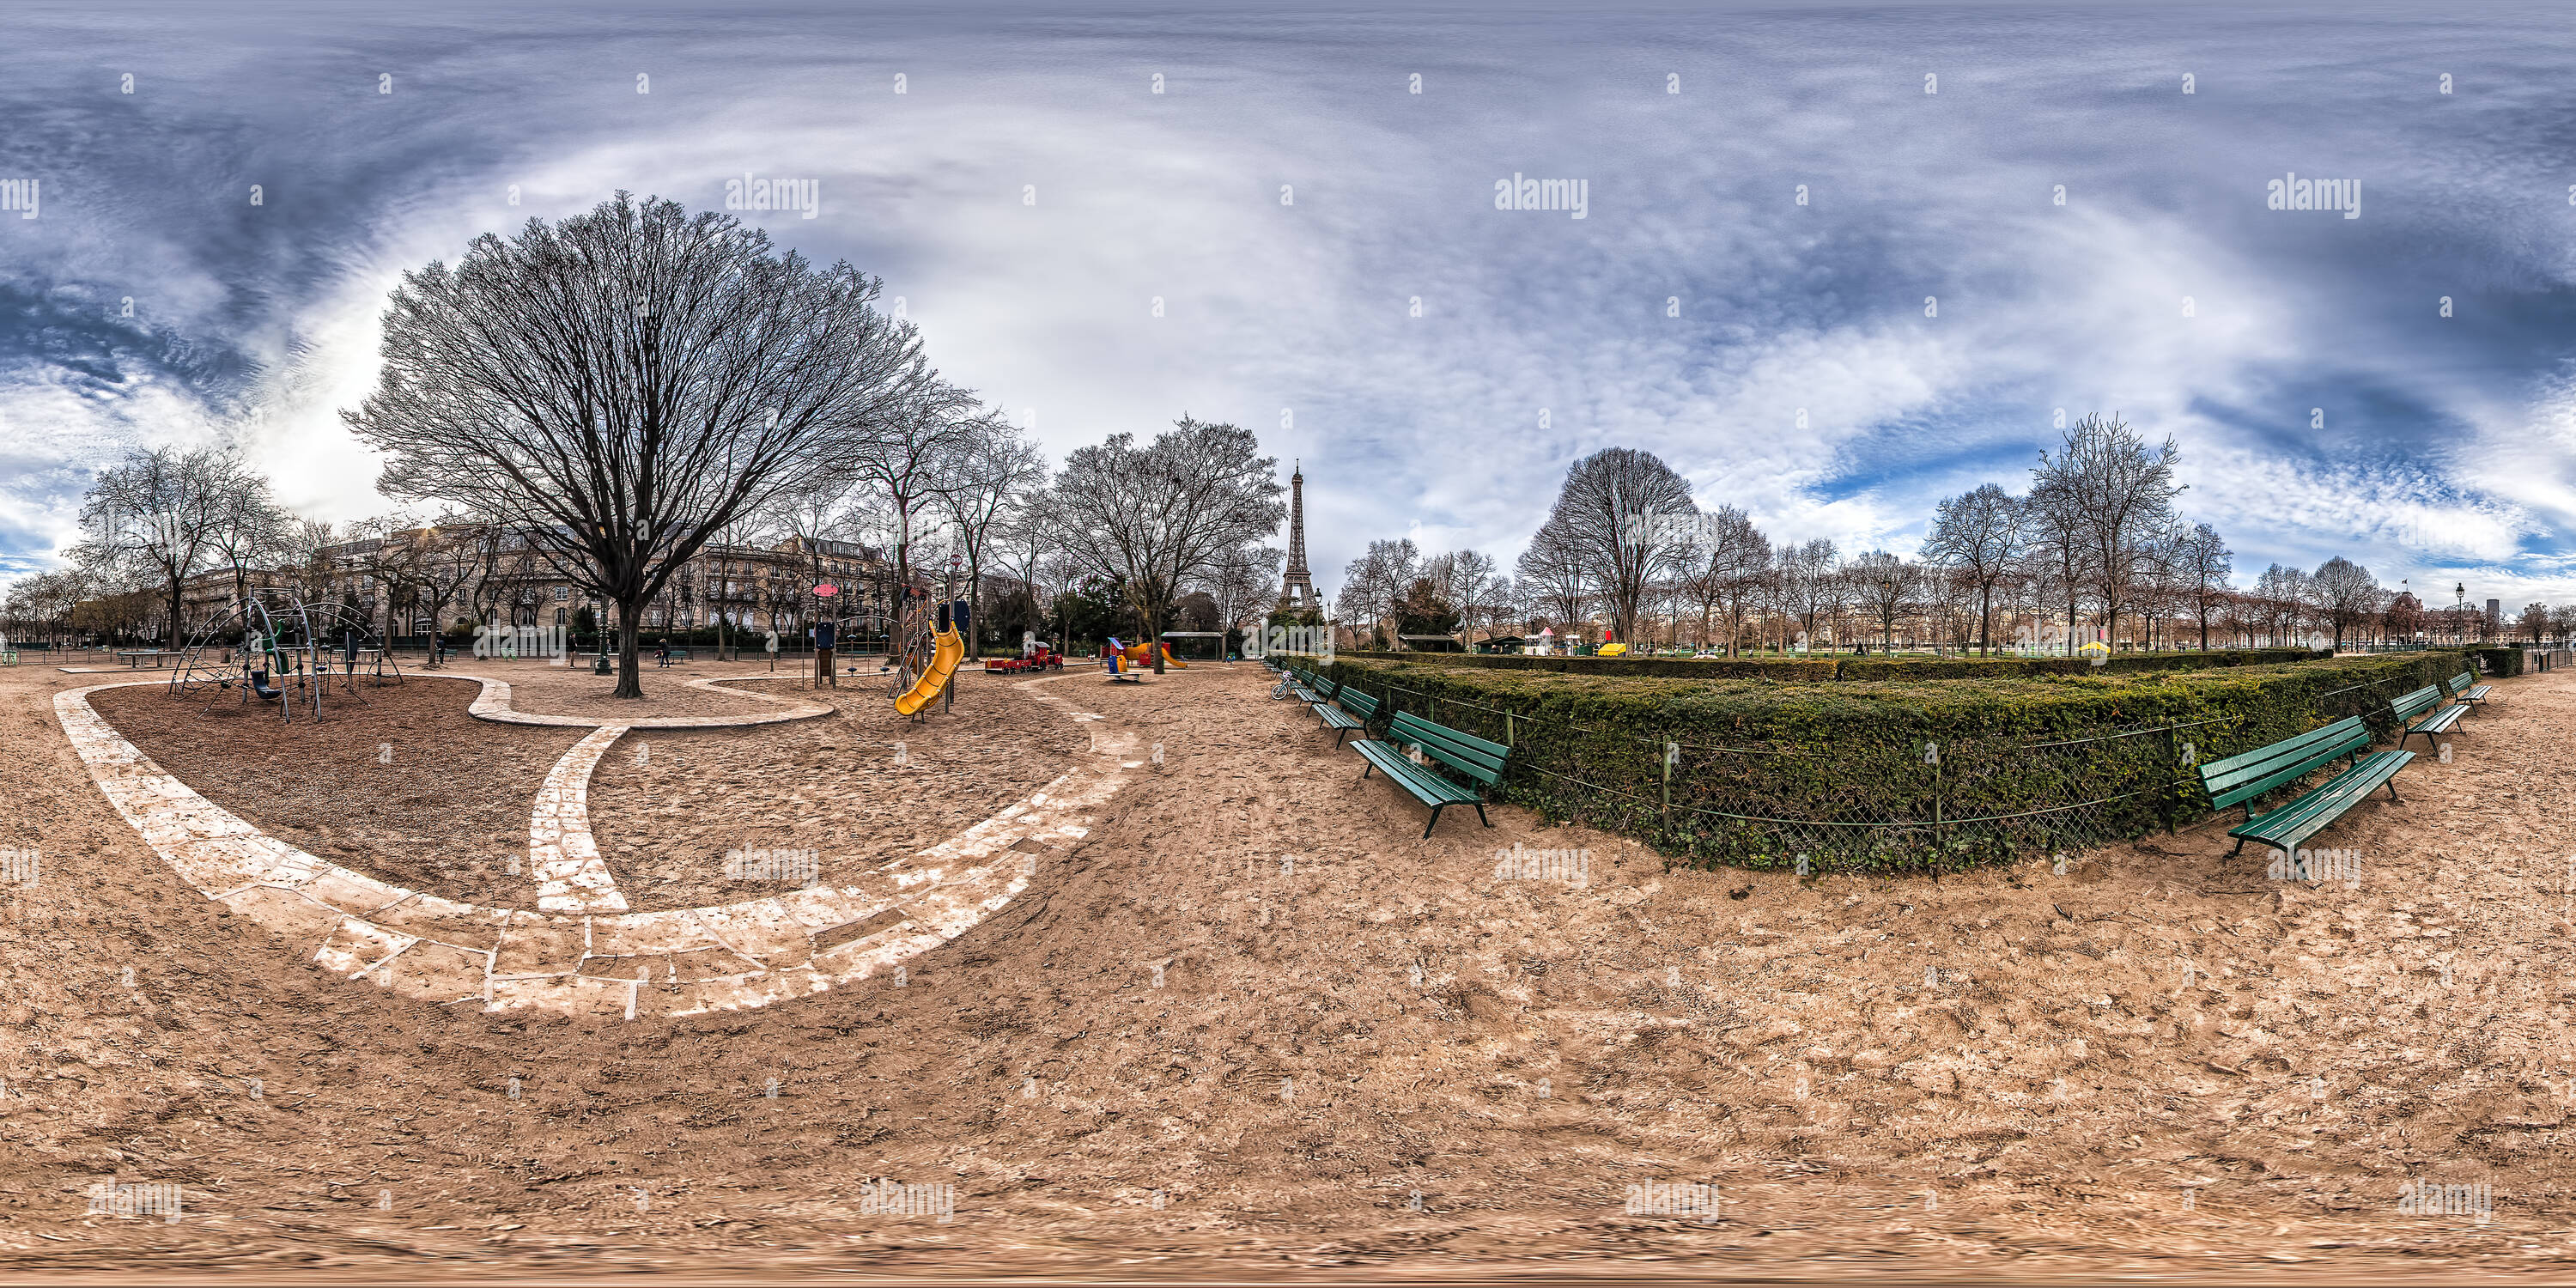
[{"x": 948, "y": 647}]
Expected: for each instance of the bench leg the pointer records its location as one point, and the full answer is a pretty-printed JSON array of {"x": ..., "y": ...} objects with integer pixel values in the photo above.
[
  {"x": 1372, "y": 768},
  {"x": 2240, "y": 848},
  {"x": 1480, "y": 815},
  {"x": 2392, "y": 789},
  {"x": 1435, "y": 821},
  {"x": 1337, "y": 739}
]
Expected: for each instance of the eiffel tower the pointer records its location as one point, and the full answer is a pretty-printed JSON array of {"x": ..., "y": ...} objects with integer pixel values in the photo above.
[{"x": 1298, "y": 592}]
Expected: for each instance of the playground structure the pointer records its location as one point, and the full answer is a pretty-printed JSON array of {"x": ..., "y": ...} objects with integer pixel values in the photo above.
[
  {"x": 283, "y": 655},
  {"x": 930, "y": 645},
  {"x": 1142, "y": 655}
]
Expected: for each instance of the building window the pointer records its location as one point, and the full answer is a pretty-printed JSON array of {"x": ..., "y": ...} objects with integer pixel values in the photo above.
[
  {"x": 562, "y": 593},
  {"x": 559, "y": 616}
]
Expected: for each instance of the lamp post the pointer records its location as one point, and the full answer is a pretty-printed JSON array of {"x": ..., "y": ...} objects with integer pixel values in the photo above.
[{"x": 2460, "y": 611}]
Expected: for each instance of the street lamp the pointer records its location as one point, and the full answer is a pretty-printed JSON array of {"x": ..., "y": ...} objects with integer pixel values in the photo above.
[{"x": 2460, "y": 610}]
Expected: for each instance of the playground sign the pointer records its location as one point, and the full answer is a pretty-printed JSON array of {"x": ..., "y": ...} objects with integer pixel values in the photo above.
[{"x": 827, "y": 590}]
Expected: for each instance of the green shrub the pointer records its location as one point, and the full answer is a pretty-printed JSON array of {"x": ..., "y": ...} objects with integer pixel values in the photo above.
[
  {"x": 2498, "y": 661},
  {"x": 1882, "y": 775}
]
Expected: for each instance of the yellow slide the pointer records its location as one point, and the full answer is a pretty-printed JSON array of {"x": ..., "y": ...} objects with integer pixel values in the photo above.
[
  {"x": 1136, "y": 655},
  {"x": 946, "y": 649}
]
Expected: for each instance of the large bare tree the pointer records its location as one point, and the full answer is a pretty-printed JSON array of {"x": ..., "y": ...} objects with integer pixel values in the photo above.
[
  {"x": 622, "y": 385},
  {"x": 2116, "y": 494},
  {"x": 1159, "y": 515},
  {"x": 1626, "y": 520},
  {"x": 157, "y": 518}
]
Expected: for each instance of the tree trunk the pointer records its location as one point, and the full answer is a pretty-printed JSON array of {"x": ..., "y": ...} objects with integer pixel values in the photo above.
[{"x": 630, "y": 668}]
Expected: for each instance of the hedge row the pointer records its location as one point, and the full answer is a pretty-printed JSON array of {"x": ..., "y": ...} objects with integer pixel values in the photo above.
[
  {"x": 1882, "y": 775},
  {"x": 2499, "y": 661},
  {"x": 1829, "y": 667}
]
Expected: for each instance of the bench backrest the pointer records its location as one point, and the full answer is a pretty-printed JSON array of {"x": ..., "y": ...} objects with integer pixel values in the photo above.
[
  {"x": 2463, "y": 682},
  {"x": 2417, "y": 703},
  {"x": 2238, "y": 779},
  {"x": 1464, "y": 752},
  {"x": 1322, "y": 688},
  {"x": 1353, "y": 699}
]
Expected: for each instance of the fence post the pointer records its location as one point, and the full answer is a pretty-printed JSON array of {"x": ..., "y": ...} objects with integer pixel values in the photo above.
[
  {"x": 1672, "y": 752},
  {"x": 1938, "y": 854},
  {"x": 2165, "y": 789}
]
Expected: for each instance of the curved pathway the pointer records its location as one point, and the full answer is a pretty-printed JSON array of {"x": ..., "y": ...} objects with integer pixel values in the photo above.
[{"x": 580, "y": 950}]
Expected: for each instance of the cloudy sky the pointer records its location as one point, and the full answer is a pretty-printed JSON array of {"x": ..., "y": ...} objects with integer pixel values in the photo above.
[{"x": 1834, "y": 262}]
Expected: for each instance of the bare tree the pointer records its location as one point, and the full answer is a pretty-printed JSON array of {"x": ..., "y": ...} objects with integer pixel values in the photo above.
[
  {"x": 2282, "y": 596},
  {"x": 991, "y": 468},
  {"x": 1553, "y": 579},
  {"x": 2206, "y": 564},
  {"x": 1887, "y": 587},
  {"x": 158, "y": 517},
  {"x": 622, "y": 385},
  {"x": 1983, "y": 534},
  {"x": 2346, "y": 594},
  {"x": 1625, "y": 519},
  {"x": 1812, "y": 585},
  {"x": 1158, "y": 515},
  {"x": 1374, "y": 584},
  {"x": 2113, "y": 495}
]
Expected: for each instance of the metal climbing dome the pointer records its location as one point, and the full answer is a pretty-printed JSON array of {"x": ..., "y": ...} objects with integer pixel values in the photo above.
[{"x": 295, "y": 653}]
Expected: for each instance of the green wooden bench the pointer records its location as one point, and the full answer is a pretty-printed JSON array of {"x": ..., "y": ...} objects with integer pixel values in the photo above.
[
  {"x": 1467, "y": 754},
  {"x": 2238, "y": 780},
  {"x": 1308, "y": 687},
  {"x": 2466, "y": 688},
  {"x": 2435, "y": 718},
  {"x": 1351, "y": 708}
]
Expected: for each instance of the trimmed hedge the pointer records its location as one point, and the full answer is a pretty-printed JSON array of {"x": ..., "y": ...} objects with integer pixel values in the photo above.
[
  {"x": 1882, "y": 775},
  {"x": 1831, "y": 667},
  {"x": 2497, "y": 661}
]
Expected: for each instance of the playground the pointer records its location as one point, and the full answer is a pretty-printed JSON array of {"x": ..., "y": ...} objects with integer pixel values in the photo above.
[{"x": 1231, "y": 1003}]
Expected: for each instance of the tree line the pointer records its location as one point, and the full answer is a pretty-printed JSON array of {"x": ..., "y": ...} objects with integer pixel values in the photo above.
[{"x": 2092, "y": 550}]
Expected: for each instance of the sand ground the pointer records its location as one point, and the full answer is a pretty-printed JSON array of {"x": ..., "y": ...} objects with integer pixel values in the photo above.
[{"x": 1255, "y": 1025}]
